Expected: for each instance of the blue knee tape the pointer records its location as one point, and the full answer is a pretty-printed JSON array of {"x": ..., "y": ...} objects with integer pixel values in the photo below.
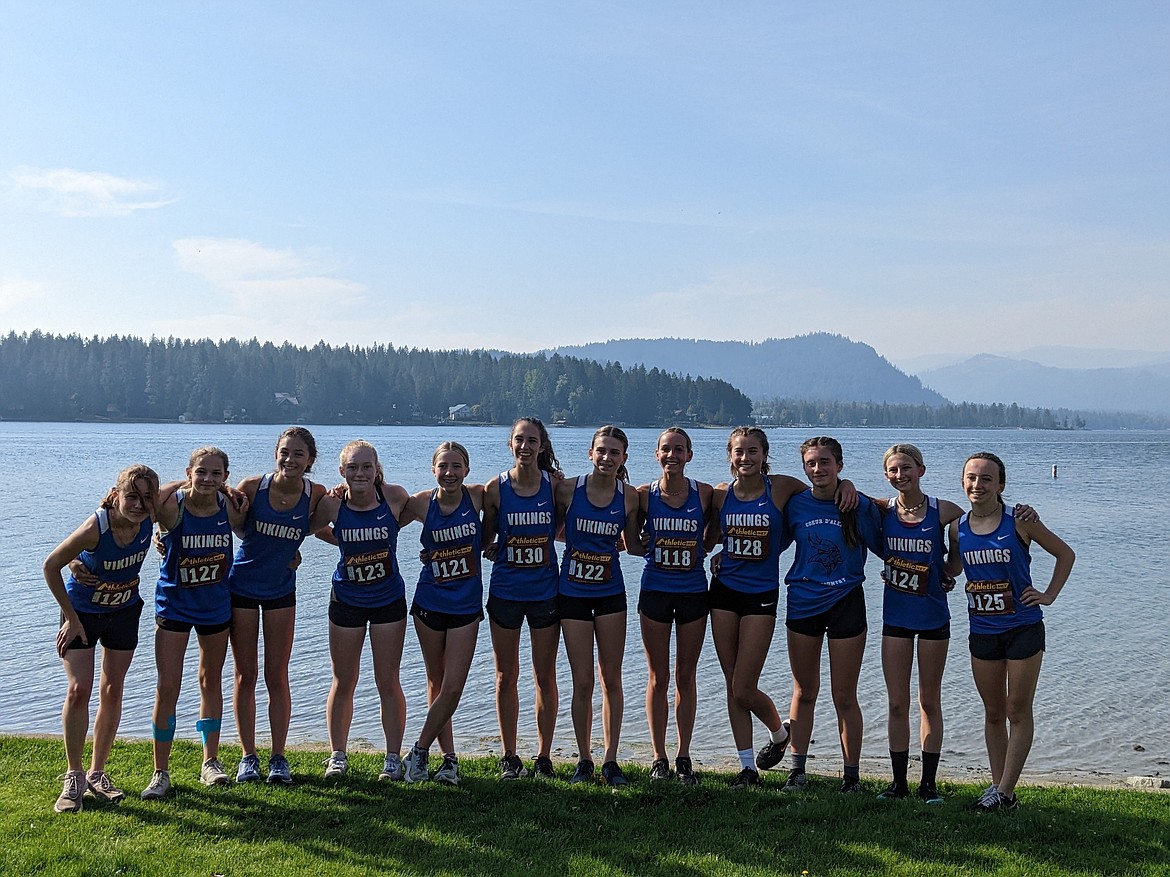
[
  {"x": 164, "y": 735},
  {"x": 206, "y": 727}
]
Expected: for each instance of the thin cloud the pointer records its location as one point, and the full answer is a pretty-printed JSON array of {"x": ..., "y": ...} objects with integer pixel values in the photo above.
[
  {"x": 74, "y": 193},
  {"x": 17, "y": 292},
  {"x": 260, "y": 278}
]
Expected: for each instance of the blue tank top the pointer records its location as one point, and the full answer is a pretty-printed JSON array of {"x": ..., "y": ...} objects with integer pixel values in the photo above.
[
  {"x": 526, "y": 562},
  {"x": 451, "y": 580},
  {"x": 674, "y": 560},
  {"x": 825, "y": 570},
  {"x": 192, "y": 581},
  {"x": 115, "y": 566},
  {"x": 998, "y": 569},
  {"x": 750, "y": 562},
  {"x": 271, "y": 540},
  {"x": 590, "y": 567},
  {"x": 913, "y": 596},
  {"x": 367, "y": 575}
]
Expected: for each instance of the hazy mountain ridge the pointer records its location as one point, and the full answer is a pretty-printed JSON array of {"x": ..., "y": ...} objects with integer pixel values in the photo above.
[
  {"x": 816, "y": 366},
  {"x": 988, "y": 378}
]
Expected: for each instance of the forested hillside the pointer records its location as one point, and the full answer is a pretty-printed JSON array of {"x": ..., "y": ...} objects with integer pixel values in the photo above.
[{"x": 48, "y": 377}]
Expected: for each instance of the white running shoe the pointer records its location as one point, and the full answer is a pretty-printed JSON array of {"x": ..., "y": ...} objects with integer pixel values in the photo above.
[
  {"x": 336, "y": 766},
  {"x": 213, "y": 774},
  {"x": 414, "y": 766},
  {"x": 449, "y": 772},
  {"x": 159, "y": 785}
]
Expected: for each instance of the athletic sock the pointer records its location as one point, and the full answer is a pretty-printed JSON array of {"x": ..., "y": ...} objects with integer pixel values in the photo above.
[
  {"x": 779, "y": 735},
  {"x": 799, "y": 760},
  {"x": 747, "y": 759},
  {"x": 900, "y": 762},
  {"x": 853, "y": 772},
  {"x": 929, "y": 766}
]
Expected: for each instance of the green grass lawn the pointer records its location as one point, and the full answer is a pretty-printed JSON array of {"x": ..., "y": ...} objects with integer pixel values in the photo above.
[{"x": 360, "y": 826}]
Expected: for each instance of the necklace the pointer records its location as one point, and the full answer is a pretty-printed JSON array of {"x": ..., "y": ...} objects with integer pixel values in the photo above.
[
  {"x": 665, "y": 492},
  {"x": 976, "y": 514},
  {"x": 911, "y": 508}
]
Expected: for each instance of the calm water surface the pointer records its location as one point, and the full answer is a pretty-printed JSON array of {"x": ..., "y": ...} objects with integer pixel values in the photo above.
[{"x": 1101, "y": 707}]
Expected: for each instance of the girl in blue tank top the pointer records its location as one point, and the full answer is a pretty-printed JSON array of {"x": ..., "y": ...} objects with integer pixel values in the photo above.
[
  {"x": 448, "y": 601},
  {"x": 367, "y": 590},
  {"x": 597, "y": 512},
  {"x": 918, "y": 574},
  {"x": 196, "y": 523},
  {"x": 112, "y": 544},
  {"x": 519, "y": 514},
  {"x": 283, "y": 508},
  {"x": 1007, "y": 635},
  {"x": 745, "y": 587},
  {"x": 675, "y": 510}
]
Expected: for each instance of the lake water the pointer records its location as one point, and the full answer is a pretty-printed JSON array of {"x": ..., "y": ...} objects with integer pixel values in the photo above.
[{"x": 1101, "y": 708}]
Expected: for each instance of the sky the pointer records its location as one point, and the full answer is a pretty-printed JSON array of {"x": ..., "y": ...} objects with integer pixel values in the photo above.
[{"x": 923, "y": 177}]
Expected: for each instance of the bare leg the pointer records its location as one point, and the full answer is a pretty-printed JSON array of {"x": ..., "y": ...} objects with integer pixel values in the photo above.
[
  {"x": 245, "y": 640},
  {"x": 448, "y": 657},
  {"x": 932, "y": 660},
  {"x": 79, "y": 672},
  {"x": 386, "y": 643},
  {"x": 506, "y": 649},
  {"x": 688, "y": 646},
  {"x": 610, "y": 631},
  {"x": 897, "y": 664},
  {"x": 115, "y": 663},
  {"x": 212, "y": 654},
  {"x": 278, "y": 641},
  {"x": 656, "y": 643},
  {"x": 345, "y": 652},
  {"x": 804, "y": 656},
  {"x": 579, "y": 648},
  {"x": 170, "y": 647},
  {"x": 546, "y": 642},
  {"x": 844, "y": 669}
]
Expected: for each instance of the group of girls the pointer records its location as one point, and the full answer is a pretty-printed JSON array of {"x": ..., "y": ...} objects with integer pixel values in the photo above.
[{"x": 514, "y": 520}]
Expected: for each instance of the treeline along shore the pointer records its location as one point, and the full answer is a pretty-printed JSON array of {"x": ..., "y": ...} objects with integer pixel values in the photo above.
[{"x": 124, "y": 378}]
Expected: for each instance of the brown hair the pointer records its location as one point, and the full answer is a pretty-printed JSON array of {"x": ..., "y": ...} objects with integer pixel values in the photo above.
[
  {"x": 125, "y": 482},
  {"x": 546, "y": 460},
  {"x": 451, "y": 446},
  {"x": 987, "y": 455},
  {"x": 611, "y": 431},
  {"x": 848, "y": 519},
  {"x": 303, "y": 435},
  {"x": 677, "y": 430},
  {"x": 750, "y": 432}
]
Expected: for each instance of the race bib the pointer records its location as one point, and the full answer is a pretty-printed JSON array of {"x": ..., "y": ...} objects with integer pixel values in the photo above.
[
  {"x": 990, "y": 598},
  {"x": 590, "y": 568},
  {"x": 369, "y": 568},
  {"x": 452, "y": 564},
  {"x": 747, "y": 543},
  {"x": 114, "y": 593},
  {"x": 527, "y": 552},
  {"x": 675, "y": 555},
  {"x": 907, "y": 576},
  {"x": 195, "y": 572}
]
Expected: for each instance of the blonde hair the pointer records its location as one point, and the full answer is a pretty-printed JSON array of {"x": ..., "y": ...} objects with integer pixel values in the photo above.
[
  {"x": 357, "y": 444},
  {"x": 451, "y": 446},
  {"x": 909, "y": 450}
]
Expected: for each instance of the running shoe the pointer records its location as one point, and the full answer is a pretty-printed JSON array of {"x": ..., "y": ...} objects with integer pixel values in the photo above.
[
  {"x": 99, "y": 785},
  {"x": 448, "y": 772},
  {"x": 158, "y": 786},
  {"x": 797, "y": 782},
  {"x": 249, "y": 769},
  {"x": 997, "y": 803},
  {"x": 611, "y": 774},
  {"x": 69, "y": 800},
  {"x": 894, "y": 791},
  {"x": 772, "y": 753},
  {"x": 414, "y": 767},
  {"x": 990, "y": 794},
  {"x": 392, "y": 768},
  {"x": 512, "y": 768},
  {"x": 542, "y": 768},
  {"x": 336, "y": 765},
  {"x": 278, "y": 770},
  {"x": 929, "y": 794},
  {"x": 213, "y": 774},
  {"x": 583, "y": 773},
  {"x": 659, "y": 770},
  {"x": 746, "y": 779},
  {"x": 851, "y": 786},
  {"x": 684, "y": 772}
]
